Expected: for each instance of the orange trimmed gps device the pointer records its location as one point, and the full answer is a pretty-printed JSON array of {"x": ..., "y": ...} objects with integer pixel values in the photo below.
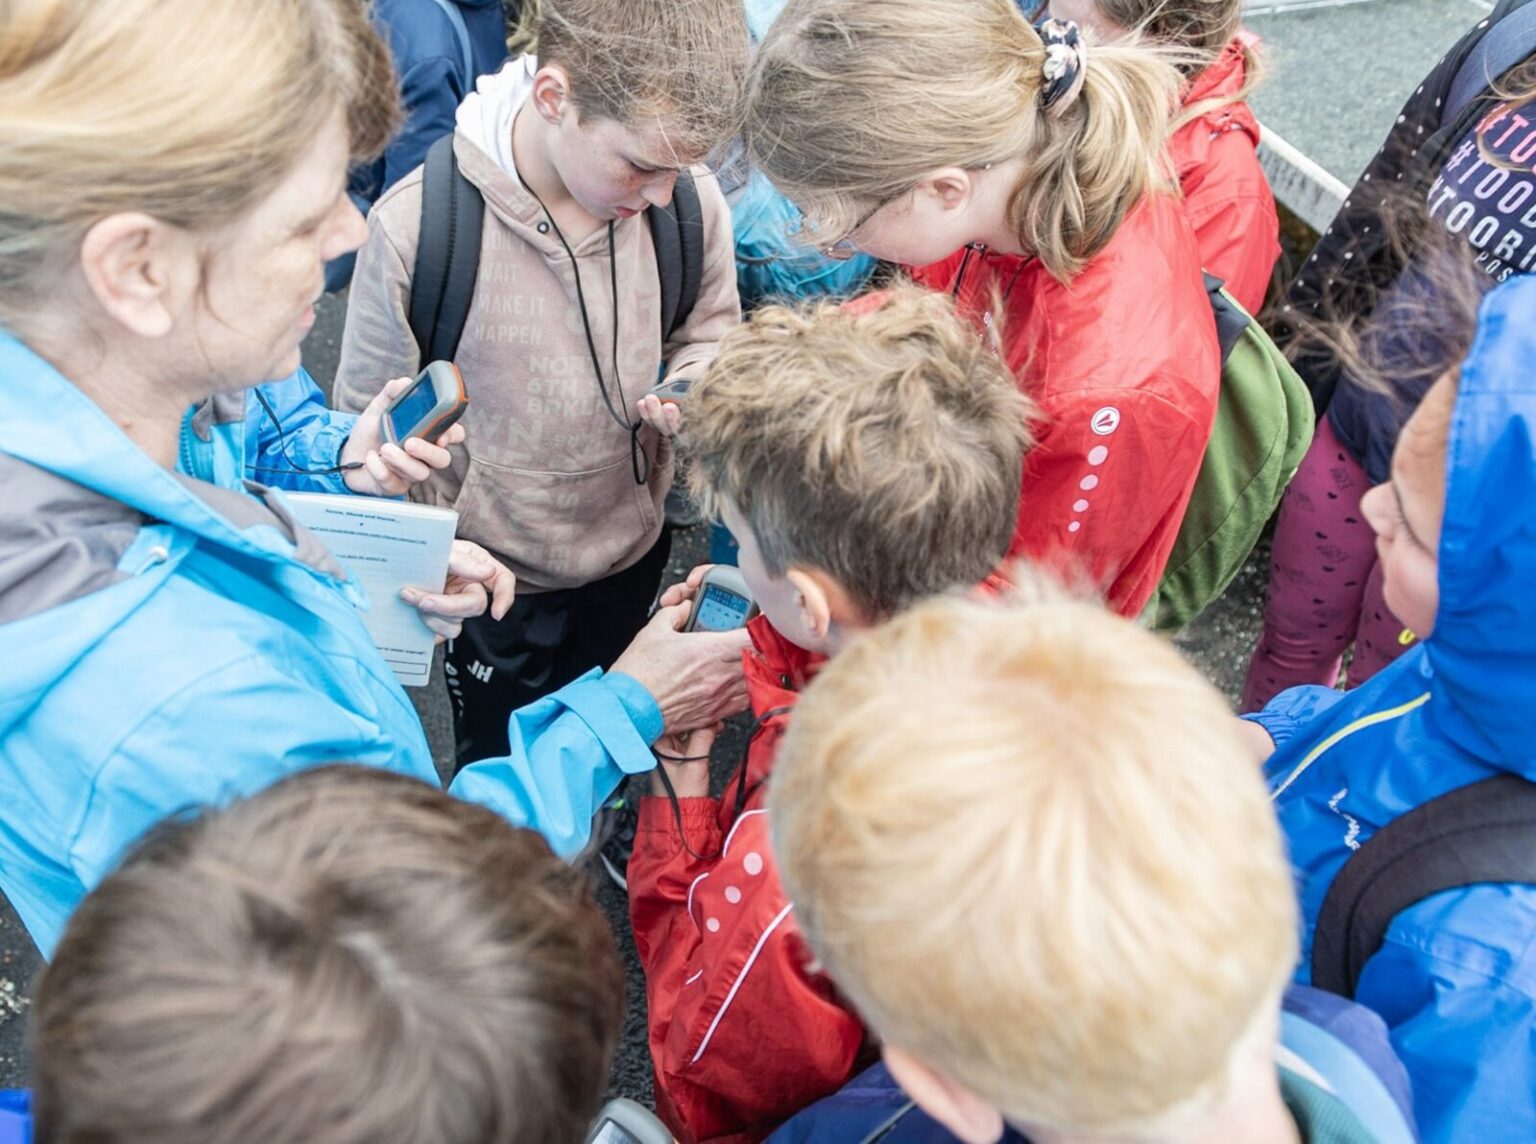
[{"x": 435, "y": 400}]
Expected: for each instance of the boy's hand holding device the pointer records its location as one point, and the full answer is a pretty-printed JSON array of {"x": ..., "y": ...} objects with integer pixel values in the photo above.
[
  {"x": 661, "y": 407},
  {"x": 405, "y": 432},
  {"x": 718, "y": 598},
  {"x": 685, "y": 758}
]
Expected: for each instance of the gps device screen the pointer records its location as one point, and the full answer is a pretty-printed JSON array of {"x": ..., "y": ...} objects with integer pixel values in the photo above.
[
  {"x": 721, "y": 610},
  {"x": 418, "y": 401}
]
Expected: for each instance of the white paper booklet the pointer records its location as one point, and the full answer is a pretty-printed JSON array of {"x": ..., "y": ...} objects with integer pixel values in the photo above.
[{"x": 385, "y": 546}]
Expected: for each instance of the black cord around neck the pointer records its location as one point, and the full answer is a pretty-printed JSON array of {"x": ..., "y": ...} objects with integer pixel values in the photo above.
[{"x": 639, "y": 460}]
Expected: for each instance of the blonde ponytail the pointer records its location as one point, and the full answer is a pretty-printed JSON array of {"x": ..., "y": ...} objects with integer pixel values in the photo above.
[
  {"x": 853, "y": 101},
  {"x": 188, "y": 110},
  {"x": 1089, "y": 165}
]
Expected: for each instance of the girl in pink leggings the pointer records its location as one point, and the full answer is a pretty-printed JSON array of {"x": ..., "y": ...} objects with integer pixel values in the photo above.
[{"x": 1324, "y": 583}]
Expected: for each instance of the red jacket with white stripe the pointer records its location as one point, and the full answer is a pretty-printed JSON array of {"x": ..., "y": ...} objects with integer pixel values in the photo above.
[
  {"x": 1226, "y": 195},
  {"x": 743, "y": 1032},
  {"x": 1125, "y": 367}
]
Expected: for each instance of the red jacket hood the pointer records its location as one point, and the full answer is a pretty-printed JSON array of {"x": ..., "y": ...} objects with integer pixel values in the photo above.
[{"x": 1224, "y": 79}]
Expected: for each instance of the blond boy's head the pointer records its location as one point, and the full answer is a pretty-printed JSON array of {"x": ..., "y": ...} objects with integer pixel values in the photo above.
[
  {"x": 1027, "y": 842},
  {"x": 880, "y": 451},
  {"x": 349, "y": 956}
]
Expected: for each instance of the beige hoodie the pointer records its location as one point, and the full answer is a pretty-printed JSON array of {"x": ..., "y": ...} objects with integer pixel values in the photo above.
[{"x": 544, "y": 480}]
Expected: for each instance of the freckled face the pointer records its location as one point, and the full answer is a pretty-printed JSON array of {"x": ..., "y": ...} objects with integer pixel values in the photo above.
[{"x": 613, "y": 170}]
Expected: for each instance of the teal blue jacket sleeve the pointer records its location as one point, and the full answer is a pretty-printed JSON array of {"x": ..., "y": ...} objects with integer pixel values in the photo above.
[
  {"x": 311, "y": 436},
  {"x": 569, "y": 752}
]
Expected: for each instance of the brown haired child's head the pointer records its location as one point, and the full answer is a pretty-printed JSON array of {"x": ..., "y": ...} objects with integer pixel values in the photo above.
[
  {"x": 1028, "y": 842},
  {"x": 632, "y": 91},
  {"x": 1202, "y": 27},
  {"x": 350, "y": 955},
  {"x": 864, "y": 461}
]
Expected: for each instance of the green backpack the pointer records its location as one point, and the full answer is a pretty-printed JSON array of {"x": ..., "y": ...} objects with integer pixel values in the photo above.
[{"x": 1264, "y": 423}]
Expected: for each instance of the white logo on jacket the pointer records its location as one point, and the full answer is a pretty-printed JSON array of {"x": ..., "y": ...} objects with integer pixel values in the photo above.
[{"x": 1105, "y": 421}]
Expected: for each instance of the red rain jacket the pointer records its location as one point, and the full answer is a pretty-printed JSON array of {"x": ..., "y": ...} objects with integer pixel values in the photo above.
[
  {"x": 1226, "y": 195},
  {"x": 1125, "y": 367},
  {"x": 743, "y": 1033}
]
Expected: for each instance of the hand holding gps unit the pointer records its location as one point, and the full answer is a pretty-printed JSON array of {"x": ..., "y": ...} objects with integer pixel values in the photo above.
[
  {"x": 722, "y": 603},
  {"x": 433, "y": 403}
]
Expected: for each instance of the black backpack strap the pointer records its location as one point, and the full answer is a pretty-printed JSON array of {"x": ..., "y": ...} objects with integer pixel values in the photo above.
[
  {"x": 1231, "y": 319},
  {"x": 1485, "y": 832},
  {"x": 677, "y": 230},
  {"x": 447, "y": 254}
]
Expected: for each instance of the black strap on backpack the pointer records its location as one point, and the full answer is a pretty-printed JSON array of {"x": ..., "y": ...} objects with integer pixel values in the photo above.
[
  {"x": 448, "y": 254},
  {"x": 1484, "y": 832},
  {"x": 1231, "y": 321},
  {"x": 677, "y": 230}
]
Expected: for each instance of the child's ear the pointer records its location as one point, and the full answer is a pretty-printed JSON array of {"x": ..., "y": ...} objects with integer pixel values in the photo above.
[
  {"x": 824, "y": 604},
  {"x": 956, "y": 1107},
  {"x": 949, "y": 188},
  {"x": 811, "y": 593},
  {"x": 551, "y": 93}
]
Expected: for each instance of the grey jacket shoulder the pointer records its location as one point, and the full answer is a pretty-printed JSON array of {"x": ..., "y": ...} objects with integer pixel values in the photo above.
[{"x": 58, "y": 540}]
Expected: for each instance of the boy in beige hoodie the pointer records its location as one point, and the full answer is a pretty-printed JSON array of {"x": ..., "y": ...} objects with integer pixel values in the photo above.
[{"x": 560, "y": 477}]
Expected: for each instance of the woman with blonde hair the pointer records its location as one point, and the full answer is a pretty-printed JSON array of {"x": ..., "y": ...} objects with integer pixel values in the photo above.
[
  {"x": 1023, "y": 171},
  {"x": 172, "y": 181}
]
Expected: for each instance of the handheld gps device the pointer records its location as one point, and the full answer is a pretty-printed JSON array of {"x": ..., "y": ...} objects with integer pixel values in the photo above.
[
  {"x": 674, "y": 390},
  {"x": 435, "y": 400},
  {"x": 625, "y": 1122},
  {"x": 723, "y": 602}
]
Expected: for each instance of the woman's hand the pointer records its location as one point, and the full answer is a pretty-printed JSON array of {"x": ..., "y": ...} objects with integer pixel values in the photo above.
[
  {"x": 475, "y": 579},
  {"x": 695, "y": 677},
  {"x": 389, "y": 470}
]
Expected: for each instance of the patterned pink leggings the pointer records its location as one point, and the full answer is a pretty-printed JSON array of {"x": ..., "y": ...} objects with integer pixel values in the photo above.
[{"x": 1324, "y": 583}]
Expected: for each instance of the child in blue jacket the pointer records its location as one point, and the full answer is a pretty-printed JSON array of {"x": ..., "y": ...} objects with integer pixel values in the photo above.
[{"x": 1456, "y": 532}]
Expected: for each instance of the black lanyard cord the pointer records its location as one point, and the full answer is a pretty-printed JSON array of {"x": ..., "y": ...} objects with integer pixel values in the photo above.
[
  {"x": 282, "y": 447},
  {"x": 639, "y": 460}
]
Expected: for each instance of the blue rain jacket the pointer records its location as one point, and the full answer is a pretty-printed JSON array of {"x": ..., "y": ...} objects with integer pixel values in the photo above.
[
  {"x": 772, "y": 263},
  {"x": 1456, "y": 978},
  {"x": 167, "y": 644}
]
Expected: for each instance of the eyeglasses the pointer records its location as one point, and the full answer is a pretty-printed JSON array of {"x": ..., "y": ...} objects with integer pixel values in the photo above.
[{"x": 845, "y": 248}]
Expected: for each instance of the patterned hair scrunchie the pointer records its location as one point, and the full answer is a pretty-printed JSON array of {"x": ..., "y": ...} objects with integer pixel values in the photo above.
[{"x": 1066, "y": 64}]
